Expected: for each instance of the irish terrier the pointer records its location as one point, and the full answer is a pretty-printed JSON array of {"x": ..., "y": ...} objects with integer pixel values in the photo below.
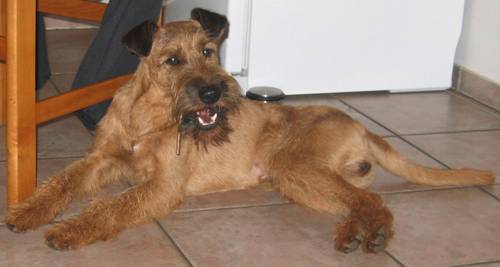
[{"x": 180, "y": 127}]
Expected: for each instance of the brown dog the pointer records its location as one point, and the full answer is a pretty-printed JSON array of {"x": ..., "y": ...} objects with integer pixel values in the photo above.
[{"x": 180, "y": 127}]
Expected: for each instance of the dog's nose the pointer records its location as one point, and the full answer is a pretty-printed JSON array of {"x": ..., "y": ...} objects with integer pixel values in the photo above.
[{"x": 209, "y": 94}]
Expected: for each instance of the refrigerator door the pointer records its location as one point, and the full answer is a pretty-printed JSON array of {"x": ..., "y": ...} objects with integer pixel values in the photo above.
[
  {"x": 325, "y": 46},
  {"x": 233, "y": 51}
]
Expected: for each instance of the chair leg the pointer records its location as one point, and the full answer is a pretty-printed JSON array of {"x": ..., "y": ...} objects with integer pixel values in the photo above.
[{"x": 21, "y": 125}]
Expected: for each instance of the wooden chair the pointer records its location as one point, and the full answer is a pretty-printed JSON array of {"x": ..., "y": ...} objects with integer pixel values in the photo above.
[{"x": 24, "y": 113}]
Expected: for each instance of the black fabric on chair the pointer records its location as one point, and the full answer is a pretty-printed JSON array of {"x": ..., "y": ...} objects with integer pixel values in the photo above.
[{"x": 106, "y": 57}]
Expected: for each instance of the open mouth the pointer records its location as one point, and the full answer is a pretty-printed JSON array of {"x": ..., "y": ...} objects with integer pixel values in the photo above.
[{"x": 207, "y": 117}]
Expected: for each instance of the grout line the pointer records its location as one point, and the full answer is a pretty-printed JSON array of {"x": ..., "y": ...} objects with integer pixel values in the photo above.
[
  {"x": 62, "y": 73},
  {"x": 488, "y": 192},
  {"x": 490, "y": 108},
  {"x": 433, "y": 188},
  {"x": 183, "y": 254},
  {"x": 63, "y": 157},
  {"x": 50, "y": 158},
  {"x": 453, "y": 132},
  {"x": 368, "y": 117},
  {"x": 476, "y": 263},
  {"x": 233, "y": 207},
  {"x": 397, "y": 135},
  {"x": 55, "y": 86},
  {"x": 430, "y": 189},
  {"x": 394, "y": 258}
]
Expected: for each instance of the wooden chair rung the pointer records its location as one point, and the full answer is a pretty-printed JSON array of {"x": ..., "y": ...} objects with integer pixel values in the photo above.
[
  {"x": 56, "y": 106},
  {"x": 77, "y": 9}
]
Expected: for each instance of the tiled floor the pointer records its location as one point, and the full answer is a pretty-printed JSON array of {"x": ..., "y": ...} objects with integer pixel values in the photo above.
[{"x": 445, "y": 226}]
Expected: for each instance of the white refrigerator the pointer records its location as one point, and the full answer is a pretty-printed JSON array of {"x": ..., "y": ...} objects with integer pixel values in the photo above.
[{"x": 329, "y": 46}]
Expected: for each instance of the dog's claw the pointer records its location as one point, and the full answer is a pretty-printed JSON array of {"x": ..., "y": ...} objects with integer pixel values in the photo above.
[
  {"x": 50, "y": 242},
  {"x": 13, "y": 228},
  {"x": 378, "y": 243},
  {"x": 353, "y": 245}
]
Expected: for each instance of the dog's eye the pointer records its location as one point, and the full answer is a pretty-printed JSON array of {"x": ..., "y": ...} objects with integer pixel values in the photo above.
[
  {"x": 207, "y": 52},
  {"x": 173, "y": 61}
]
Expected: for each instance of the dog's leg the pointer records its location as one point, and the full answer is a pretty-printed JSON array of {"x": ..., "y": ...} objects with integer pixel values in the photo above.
[
  {"x": 106, "y": 218},
  {"x": 53, "y": 196},
  {"x": 368, "y": 223}
]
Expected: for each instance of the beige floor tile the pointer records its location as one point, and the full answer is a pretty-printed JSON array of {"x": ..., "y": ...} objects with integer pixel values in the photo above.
[
  {"x": 64, "y": 137},
  {"x": 385, "y": 182},
  {"x": 329, "y": 100},
  {"x": 414, "y": 113},
  {"x": 64, "y": 81},
  {"x": 478, "y": 150},
  {"x": 46, "y": 91},
  {"x": 445, "y": 227},
  {"x": 145, "y": 245},
  {"x": 258, "y": 196},
  {"x": 283, "y": 235},
  {"x": 66, "y": 48}
]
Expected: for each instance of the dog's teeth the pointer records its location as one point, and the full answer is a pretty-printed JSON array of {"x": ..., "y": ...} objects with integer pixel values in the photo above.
[
  {"x": 200, "y": 120},
  {"x": 210, "y": 120}
]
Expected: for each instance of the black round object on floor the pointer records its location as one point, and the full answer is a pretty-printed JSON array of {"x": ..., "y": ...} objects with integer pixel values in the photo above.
[{"x": 265, "y": 93}]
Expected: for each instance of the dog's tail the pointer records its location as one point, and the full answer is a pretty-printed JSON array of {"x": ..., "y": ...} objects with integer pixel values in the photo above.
[{"x": 395, "y": 163}]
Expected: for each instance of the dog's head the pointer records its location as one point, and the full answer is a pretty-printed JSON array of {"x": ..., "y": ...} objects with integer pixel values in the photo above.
[{"x": 182, "y": 59}]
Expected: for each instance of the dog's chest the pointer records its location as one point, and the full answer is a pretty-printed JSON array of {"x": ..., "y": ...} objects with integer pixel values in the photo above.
[{"x": 149, "y": 115}]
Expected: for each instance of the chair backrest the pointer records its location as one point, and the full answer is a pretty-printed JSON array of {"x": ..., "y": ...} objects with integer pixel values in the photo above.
[{"x": 78, "y": 9}]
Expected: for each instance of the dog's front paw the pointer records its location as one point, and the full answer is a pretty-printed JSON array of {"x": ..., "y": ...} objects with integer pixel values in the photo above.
[
  {"x": 25, "y": 216},
  {"x": 68, "y": 234}
]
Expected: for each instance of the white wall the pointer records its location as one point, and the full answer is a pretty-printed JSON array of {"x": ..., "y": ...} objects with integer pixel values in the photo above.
[{"x": 479, "y": 46}]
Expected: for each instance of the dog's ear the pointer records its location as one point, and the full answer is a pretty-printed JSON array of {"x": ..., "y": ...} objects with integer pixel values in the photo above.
[
  {"x": 215, "y": 25},
  {"x": 139, "y": 40}
]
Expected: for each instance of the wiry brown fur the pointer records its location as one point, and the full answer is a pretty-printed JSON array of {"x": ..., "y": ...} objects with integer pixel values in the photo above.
[{"x": 316, "y": 156}]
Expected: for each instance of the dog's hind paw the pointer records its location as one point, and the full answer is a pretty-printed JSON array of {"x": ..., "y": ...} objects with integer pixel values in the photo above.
[
  {"x": 378, "y": 241},
  {"x": 371, "y": 243},
  {"x": 371, "y": 235},
  {"x": 351, "y": 246}
]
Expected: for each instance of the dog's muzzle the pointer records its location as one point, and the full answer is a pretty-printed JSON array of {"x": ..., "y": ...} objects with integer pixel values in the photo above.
[{"x": 205, "y": 107}]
